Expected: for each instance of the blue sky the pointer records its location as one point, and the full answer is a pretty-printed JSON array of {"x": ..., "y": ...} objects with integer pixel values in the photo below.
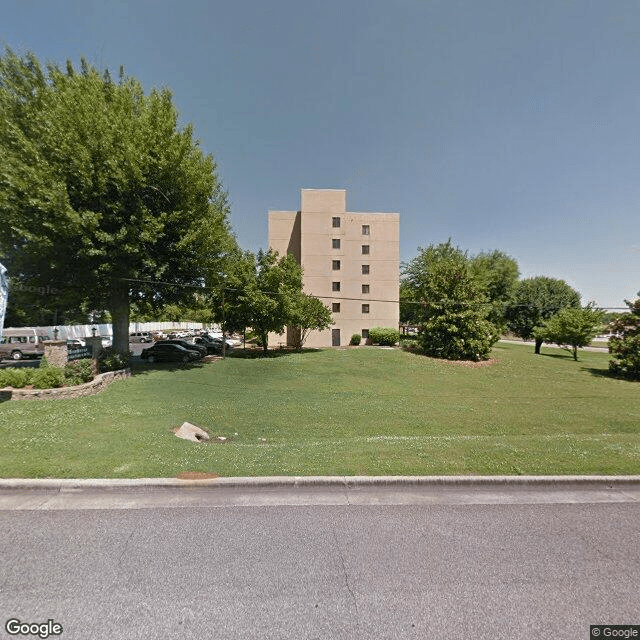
[{"x": 503, "y": 124}]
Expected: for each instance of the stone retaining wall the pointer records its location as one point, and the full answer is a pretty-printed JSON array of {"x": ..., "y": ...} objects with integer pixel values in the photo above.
[{"x": 100, "y": 382}]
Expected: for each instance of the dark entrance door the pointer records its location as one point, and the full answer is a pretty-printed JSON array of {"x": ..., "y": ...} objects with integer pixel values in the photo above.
[{"x": 335, "y": 337}]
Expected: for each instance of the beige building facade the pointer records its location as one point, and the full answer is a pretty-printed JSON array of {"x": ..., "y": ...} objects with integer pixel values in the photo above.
[{"x": 351, "y": 261}]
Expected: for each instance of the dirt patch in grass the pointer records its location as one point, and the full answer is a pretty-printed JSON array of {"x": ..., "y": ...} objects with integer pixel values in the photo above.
[{"x": 471, "y": 363}]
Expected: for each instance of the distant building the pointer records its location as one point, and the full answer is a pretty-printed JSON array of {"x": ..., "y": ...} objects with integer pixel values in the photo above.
[{"x": 350, "y": 261}]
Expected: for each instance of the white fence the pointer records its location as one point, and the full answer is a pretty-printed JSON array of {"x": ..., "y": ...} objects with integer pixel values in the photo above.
[
  {"x": 4, "y": 294},
  {"x": 66, "y": 332}
]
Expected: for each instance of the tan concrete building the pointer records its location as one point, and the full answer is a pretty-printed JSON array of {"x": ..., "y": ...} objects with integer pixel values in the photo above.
[{"x": 350, "y": 261}]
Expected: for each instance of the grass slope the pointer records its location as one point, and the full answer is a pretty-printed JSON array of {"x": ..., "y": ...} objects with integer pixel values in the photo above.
[{"x": 362, "y": 411}]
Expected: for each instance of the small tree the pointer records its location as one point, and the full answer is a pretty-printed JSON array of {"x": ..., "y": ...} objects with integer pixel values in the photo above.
[
  {"x": 453, "y": 320},
  {"x": 573, "y": 327},
  {"x": 307, "y": 314},
  {"x": 272, "y": 296},
  {"x": 625, "y": 344},
  {"x": 534, "y": 301}
]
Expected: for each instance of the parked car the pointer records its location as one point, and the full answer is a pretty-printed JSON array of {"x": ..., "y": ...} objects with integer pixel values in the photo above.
[
  {"x": 231, "y": 343},
  {"x": 210, "y": 346},
  {"x": 140, "y": 336},
  {"x": 165, "y": 352},
  {"x": 22, "y": 343},
  {"x": 188, "y": 345}
]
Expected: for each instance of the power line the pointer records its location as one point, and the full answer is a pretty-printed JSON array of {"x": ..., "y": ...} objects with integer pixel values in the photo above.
[{"x": 202, "y": 288}]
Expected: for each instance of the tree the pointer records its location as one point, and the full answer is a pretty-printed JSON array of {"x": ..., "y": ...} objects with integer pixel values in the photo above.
[
  {"x": 625, "y": 344},
  {"x": 264, "y": 292},
  {"x": 102, "y": 193},
  {"x": 307, "y": 314},
  {"x": 453, "y": 311},
  {"x": 535, "y": 300},
  {"x": 571, "y": 326},
  {"x": 498, "y": 276},
  {"x": 409, "y": 310},
  {"x": 270, "y": 292}
]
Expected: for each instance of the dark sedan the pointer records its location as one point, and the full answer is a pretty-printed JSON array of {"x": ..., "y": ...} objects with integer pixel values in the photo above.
[
  {"x": 210, "y": 346},
  {"x": 164, "y": 352},
  {"x": 188, "y": 345}
]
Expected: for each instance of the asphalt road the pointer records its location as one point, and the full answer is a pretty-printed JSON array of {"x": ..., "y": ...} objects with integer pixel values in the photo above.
[{"x": 320, "y": 562}]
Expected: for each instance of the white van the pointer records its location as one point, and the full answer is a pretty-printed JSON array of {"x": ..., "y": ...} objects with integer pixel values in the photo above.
[
  {"x": 140, "y": 336},
  {"x": 22, "y": 343}
]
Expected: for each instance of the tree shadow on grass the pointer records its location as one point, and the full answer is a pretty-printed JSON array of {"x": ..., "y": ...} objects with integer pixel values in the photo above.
[
  {"x": 605, "y": 373},
  {"x": 560, "y": 356},
  {"x": 139, "y": 367},
  {"x": 253, "y": 354},
  {"x": 142, "y": 368}
]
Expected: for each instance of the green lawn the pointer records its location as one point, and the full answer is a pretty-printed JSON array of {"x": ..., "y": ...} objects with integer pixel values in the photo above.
[{"x": 365, "y": 411}]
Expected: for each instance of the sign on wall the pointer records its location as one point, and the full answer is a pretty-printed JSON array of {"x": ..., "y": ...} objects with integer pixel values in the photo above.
[
  {"x": 4, "y": 294},
  {"x": 77, "y": 353}
]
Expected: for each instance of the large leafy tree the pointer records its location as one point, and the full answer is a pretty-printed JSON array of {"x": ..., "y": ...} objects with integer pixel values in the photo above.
[
  {"x": 453, "y": 312},
  {"x": 572, "y": 327},
  {"x": 534, "y": 301},
  {"x": 624, "y": 345},
  {"x": 498, "y": 276},
  {"x": 102, "y": 193}
]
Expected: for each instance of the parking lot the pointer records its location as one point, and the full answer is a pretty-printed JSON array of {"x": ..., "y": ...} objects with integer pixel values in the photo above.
[{"x": 135, "y": 347}]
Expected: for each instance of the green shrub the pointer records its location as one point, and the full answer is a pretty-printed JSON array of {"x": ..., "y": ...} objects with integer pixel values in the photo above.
[
  {"x": 384, "y": 336},
  {"x": 44, "y": 363},
  {"x": 355, "y": 340},
  {"x": 78, "y": 371},
  {"x": 16, "y": 378},
  {"x": 109, "y": 360},
  {"x": 49, "y": 378},
  {"x": 624, "y": 346}
]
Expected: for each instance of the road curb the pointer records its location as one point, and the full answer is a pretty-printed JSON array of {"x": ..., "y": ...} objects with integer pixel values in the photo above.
[{"x": 322, "y": 481}]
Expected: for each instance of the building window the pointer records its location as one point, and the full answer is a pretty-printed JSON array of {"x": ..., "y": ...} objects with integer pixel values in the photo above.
[
  {"x": 335, "y": 243},
  {"x": 335, "y": 307},
  {"x": 365, "y": 229},
  {"x": 365, "y": 288},
  {"x": 365, "y": 334},
  {"x": 365, "y": 308},
  {"x": 365, "y": 269},
  {"x": 336, "y": 265},
  {"x": 365, "y": 249},
  {"x": 335, "y": 286},
  {"x": 335, "y": 222}
]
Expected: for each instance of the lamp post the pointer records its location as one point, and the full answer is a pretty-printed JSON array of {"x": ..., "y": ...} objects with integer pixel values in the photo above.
[
  {"x": 93, "y": 331},
  {"x": 56, "y": 331}
]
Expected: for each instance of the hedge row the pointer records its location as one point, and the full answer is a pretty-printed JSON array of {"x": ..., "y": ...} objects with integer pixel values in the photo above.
[{"x": 47, "y": 376}]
